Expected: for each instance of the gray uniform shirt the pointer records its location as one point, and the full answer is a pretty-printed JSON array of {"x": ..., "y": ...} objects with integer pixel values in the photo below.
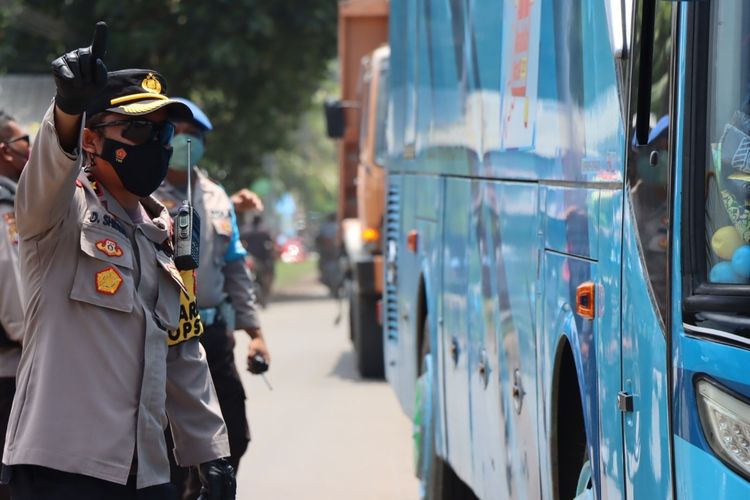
[
  {"x": 11, "y": 311},
  {"x": 96, "y": 379},
  {"x": 222, "y": 271}
]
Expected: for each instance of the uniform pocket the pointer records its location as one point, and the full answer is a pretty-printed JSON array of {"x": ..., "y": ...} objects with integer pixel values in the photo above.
[
  {"x": 104, "y": 275},
  {"x": 107, "y": 246}
]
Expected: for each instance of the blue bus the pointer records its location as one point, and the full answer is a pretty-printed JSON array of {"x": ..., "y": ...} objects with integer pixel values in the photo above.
[{"x": 567, "y": 268}]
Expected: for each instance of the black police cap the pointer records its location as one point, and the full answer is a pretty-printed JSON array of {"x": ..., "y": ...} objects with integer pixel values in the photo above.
[{"x": 136, "y": 92}]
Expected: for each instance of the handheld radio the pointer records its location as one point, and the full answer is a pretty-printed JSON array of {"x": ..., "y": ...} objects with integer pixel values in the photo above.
[{"x": 187, "y": 229}]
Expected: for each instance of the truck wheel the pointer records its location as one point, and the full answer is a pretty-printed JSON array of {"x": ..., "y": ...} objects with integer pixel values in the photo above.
[
  {"x": 352, "y": 315},
  {"x": 367, "y": 336}
]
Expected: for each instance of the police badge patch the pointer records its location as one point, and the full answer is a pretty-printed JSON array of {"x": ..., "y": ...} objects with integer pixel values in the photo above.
[
  {"x": 108, "y": 281},
  {"x": 109, "y": 248}
]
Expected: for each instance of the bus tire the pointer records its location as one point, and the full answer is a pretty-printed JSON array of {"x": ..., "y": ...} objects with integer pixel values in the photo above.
[
  {"x": 367, "y": 336},
  {"x": 446, "y": 485},
  {"x": 572, "y": 471}
]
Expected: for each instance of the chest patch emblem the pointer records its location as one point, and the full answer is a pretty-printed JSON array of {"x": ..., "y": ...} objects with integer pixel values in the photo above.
[
  {"x": 224, "y": 226},
  {"x": 109, "y": 248},
  {"x": 108, "y": 281}
]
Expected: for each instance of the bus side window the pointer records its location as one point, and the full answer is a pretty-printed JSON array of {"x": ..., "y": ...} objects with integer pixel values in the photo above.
[{"x": 648, "y": 165}]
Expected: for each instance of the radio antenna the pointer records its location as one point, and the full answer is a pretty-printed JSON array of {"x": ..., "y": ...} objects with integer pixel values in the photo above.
[{"x": 190, "y": 171}]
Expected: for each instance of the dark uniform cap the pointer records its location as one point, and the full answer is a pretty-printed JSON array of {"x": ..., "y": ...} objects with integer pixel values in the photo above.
[{"x": 136, "y": 92}]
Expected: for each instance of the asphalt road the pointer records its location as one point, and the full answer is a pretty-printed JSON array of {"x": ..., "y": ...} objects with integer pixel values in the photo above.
[{"x": 322, "y": 433}]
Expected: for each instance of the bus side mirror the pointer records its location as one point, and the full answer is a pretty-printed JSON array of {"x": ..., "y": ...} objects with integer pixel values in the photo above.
[{"x": 335, "y": 122}]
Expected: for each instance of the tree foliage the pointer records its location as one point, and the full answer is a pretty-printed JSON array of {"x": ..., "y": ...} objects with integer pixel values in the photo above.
[
  {"x": 253, "y": 65},
  {"x": 308, "y": 169}
]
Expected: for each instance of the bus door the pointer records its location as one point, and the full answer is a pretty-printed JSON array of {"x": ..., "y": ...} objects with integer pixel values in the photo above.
[
  {"x": 711, "y": 342},
  {"x": 644, "y": 396}
]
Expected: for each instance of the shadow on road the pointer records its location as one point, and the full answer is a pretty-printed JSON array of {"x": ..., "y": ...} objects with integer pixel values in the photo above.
[
  {"x": 346, "y": 368},
  {"x": 306, "y": 290},
  {"x": 298, "y": 296}
]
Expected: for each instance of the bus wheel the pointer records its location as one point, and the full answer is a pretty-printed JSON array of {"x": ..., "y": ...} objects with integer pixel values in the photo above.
[
  {"x": 584, "y": 489},
  {"x": 573, "y": 474},
  {"x": 367, "y": 335},
  {"x": 423, "y": 433},
  {"x": 437, "y": 481}
]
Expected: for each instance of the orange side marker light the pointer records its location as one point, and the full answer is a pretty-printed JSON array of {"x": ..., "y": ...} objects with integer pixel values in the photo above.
[
  {"x": 412, "y": 240},
  {"x": 585, "y": 294}
]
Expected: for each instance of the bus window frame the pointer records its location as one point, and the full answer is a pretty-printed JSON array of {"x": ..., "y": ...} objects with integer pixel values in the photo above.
[{"x": 700, "y": 295}]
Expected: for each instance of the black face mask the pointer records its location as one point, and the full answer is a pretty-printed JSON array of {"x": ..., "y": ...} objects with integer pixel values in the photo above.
[{"x": 141, "y": 168}]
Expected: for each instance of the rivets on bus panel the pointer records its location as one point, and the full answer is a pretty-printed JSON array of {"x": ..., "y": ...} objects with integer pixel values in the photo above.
[
  {"x": 455, "y": 351},
  {"x": 484, "y": 369}
]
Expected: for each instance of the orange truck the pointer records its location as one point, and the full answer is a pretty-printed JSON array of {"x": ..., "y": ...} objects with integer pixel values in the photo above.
[{"x": 358, "y": 122}]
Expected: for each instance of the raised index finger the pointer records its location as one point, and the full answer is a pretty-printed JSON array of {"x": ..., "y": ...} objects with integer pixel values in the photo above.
[{"x": 99, "y": 42}]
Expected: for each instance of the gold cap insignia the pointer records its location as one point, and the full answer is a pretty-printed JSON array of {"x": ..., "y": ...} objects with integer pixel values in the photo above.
[{"x": 151, "y": 84}]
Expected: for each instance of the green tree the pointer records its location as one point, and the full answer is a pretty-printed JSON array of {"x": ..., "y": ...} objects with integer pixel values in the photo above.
[
  {"x": 308, "y": 168},
  {"x": 253, "y": 65}
]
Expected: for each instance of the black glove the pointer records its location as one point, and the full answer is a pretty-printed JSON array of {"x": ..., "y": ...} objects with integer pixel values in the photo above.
[
  {"x": 80, "y": 74},
  {"x": 217, "y": 480}
]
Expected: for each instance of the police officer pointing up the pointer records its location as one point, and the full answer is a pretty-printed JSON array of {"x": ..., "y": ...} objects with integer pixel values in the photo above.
[{"x": 97, "y": 380}]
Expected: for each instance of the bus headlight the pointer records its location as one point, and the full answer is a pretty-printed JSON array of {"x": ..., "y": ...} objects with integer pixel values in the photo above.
[{"x": 726, "y": 424}]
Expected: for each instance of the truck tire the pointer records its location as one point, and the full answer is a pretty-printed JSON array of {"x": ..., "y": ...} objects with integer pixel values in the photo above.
[{"x": 367, "y": 335}]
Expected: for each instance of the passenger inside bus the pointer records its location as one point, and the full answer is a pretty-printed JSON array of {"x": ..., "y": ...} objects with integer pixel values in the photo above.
[
  {"x": 728, "y": 147},
  {"x": 728, "y": 201},
  {"x": 727, "y": 216}
]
